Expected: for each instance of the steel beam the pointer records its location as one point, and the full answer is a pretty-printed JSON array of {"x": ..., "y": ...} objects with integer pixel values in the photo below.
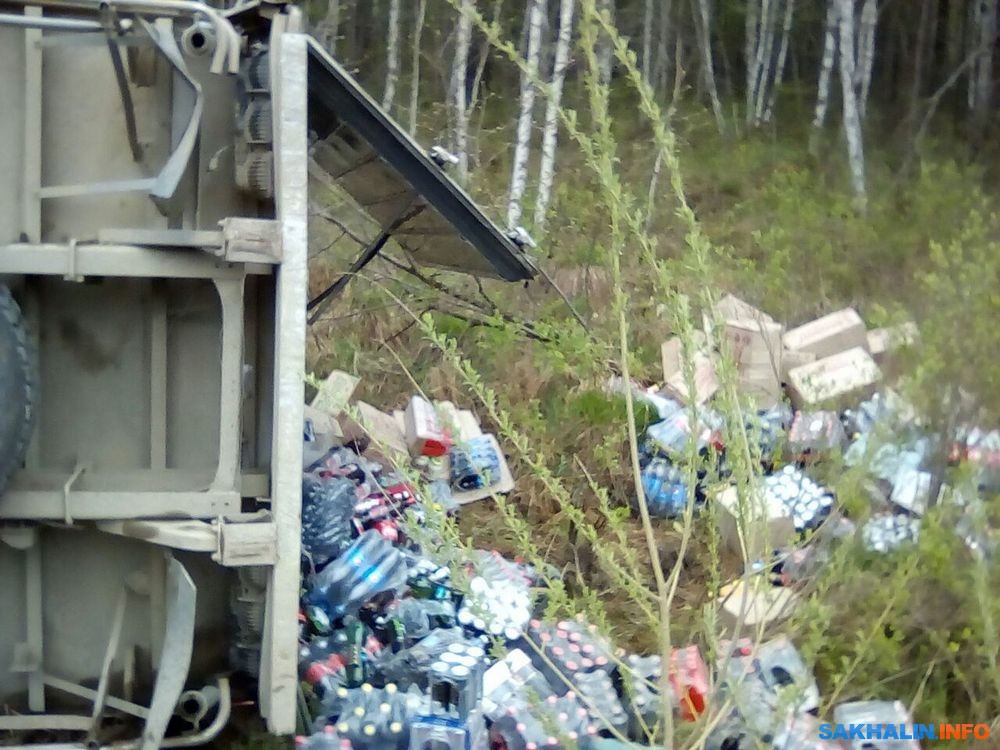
[{"x": 120, "y": 261}]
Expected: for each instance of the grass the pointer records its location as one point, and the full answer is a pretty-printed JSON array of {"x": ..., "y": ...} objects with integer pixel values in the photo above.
[{"x": 775, "y": 226}]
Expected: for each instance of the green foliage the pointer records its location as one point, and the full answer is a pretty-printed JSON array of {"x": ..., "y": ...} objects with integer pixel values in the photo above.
[{"x": 758, "y": 217}]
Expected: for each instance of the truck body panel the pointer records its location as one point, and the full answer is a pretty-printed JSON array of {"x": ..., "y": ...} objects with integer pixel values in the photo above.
[{"x": 154, "y": 216}]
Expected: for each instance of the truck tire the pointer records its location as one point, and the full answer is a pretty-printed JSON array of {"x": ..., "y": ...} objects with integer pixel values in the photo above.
[{"x": 18, "y": 387}]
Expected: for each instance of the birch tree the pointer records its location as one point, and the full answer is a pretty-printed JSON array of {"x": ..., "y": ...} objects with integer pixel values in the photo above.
[
  {"x": 459, "y": 75},
  {"x": 392, "y": 56},
  {"x": 525, "y": 118},
  {"x": 825, "y": 73},
  {"x": 779, "y": 72},
  {"x": 762, "y": 59},
  {"x": 418, "y": 30},
  {"x": 751, "y": 40},
  {"x": 865, "y": 54},
  {"x": 551, "y": 129},
  {"x": 703, "y": 27},
  {"x": 765, "y": 68},
  {"x": 852, "y": 122},
  {"x": 328, "y": 28}
]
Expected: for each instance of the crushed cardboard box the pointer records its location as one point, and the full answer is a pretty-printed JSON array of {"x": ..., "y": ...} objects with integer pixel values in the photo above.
[
  {"x": 766, "y": 525},
  {"x": 731, "y": 307},
  {"x": 829, "y": 335},
  {"x": 335, "y": 393},
  {"x": 675, "y": 383},
  {"x": 849, "y": 373},
  {"x": 755, "y": 602},
  {"x": 757, "y": 350},
  {"x": 387, "y": 440}
]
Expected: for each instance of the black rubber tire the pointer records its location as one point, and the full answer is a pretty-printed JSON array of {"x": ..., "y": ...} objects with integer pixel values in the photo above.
[{"x": 18, "y": 387}]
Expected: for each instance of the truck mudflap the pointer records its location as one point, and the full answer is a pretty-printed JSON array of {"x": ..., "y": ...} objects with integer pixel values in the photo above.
[{"x": 168, "y": 697}]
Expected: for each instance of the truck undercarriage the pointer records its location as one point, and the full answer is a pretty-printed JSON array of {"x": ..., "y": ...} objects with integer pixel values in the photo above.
[{"x": 153, "y": 231}]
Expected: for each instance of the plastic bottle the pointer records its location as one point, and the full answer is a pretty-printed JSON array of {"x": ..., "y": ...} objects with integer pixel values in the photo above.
[
  {"x": 327, "y": 509},
  {"x": 370, "y": 566}
]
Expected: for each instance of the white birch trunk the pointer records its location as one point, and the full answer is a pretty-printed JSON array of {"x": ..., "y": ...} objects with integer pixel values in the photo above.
[
  {"x": 852, "y": 123},
  {"x": 392, "y": 56},
  {"x": 459, "y": 73},
  {"x": 767, "y": 23},
  {"x": 865, "y": 54},
  {"x": 522, "y": 146},
  {"x": 750, "y": 52},
  {"x": 329, "y": 27},
  {"x": 418, "y": 29},
  {"x": 779, "y": 72},
  {"x": 647, "y": 40},
  {"x": 709, "y": 67},
  {"x": 825, "y": 71},
  {"x": 551, "y": 131}
]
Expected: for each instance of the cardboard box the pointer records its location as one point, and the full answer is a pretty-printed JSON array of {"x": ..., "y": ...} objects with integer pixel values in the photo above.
[
  {"x": 829, "y": 335},
  {"x": 387, "y": 441},
  {"x": 732, "y": 307},
  {"x": 881, "y": 341},
  {"x": 462, "y": 424},
  {"x": 675, "y": 384},
  {"x": 755, "y": 602},
  {"x": 503, "y": 486},
  {"x": 852, "y": 373},
  {"x": 766, "y": 523},
  {"x": 335, "y": 393},
  {"x": 756, "y": 347},
  {"x": 425, "y": 435},
  {"x": 790, "y": 360}
]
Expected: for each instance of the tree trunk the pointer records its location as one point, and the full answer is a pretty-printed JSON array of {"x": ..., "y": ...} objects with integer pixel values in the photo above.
[
  {"x": 522, "y": 146},
  {"x": 916, "y": 82},
  {"x": 768, "y": 17},
  {"x": 329, "y": 27},
  {"x": 825, "y": 72},
  {"x": 971, "y": 35},
  {"x": 477, "y": 85},
  {"x": 751, "y": 44},
  {"x": 484, "y": 54},
  {"x": 779, "y": 72},
  {"x": 865, "y": 54},
  {"x": 459, "y": 74},
  {"x": 647, "y": 40},
  {"x": 418, "y": 29},
  {"x": 708, "y": 70},
  {"x": 662, "y": 67},
  {"x": 852, "y": 122},
  {"x": 987, "y": 32},
  {"x": 392, "y": 56},
  {"x": 605, "y": 51},
  {"x": 551, "y": 132}
]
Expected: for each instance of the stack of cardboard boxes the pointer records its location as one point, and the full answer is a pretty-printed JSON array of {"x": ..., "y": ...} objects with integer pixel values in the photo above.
[{"x": 824, "y": 362}]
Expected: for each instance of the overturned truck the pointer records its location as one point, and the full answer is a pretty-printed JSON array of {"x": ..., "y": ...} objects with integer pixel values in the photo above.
[{"x": 153, "y": 280}]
